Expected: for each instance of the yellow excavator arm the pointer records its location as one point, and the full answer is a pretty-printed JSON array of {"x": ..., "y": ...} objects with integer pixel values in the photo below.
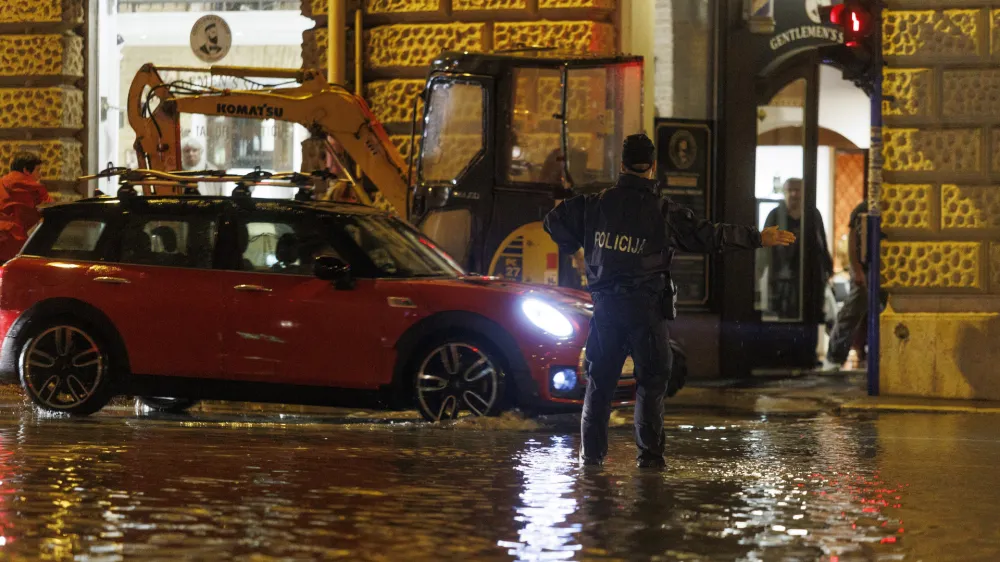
[{"x": 326, "y": 110}]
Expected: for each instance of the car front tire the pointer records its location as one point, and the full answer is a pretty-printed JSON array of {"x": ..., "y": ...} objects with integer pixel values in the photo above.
[
  {"x": 455, "y": 374},
  {"x": 65, "y": 365}
]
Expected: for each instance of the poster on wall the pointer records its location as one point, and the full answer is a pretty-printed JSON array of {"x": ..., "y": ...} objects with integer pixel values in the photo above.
[
  {"x": 684, "y": 170},
  {"x": 211, "y": 39}
]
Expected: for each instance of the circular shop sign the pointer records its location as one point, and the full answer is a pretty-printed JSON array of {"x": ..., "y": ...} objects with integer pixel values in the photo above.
[{"x": 211, "y": 38}]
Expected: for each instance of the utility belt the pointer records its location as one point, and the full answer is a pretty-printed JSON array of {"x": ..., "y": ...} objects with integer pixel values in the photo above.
[{"x": 666, "y": 297}]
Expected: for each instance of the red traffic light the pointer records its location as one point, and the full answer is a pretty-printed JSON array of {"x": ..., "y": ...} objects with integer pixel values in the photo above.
[
  {"x": 852, "y": 17},
  {"x": 836, "y": 13},
  {"x": 856, "y": 21}
]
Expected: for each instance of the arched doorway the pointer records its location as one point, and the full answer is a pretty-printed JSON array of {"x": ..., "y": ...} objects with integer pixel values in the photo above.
[{"x": 809, "y": 168}]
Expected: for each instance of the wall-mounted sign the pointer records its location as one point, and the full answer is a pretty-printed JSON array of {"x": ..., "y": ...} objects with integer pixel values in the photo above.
[
  {"x": 211, "y": 39},
  {"x": 684, "y": 169},
  {"x": 797, "y": 25}
]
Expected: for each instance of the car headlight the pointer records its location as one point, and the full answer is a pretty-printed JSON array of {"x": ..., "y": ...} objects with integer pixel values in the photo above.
[
  {"x": 564, "y": 380},
  {"x": 547, "y": 318}
]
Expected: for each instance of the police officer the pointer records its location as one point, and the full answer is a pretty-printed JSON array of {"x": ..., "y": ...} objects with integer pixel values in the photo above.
[{"x": 629, "y": 234}]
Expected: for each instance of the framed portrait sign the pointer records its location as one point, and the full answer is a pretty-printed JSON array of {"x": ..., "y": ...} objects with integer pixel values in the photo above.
[{"x": 684, "y": 163}]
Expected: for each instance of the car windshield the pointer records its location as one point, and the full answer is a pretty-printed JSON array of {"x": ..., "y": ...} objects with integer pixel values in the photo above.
[{"x": 395, "y": 249}]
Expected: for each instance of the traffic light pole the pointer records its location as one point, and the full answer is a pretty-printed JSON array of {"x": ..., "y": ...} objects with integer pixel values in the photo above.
[{"x": 874, "y": 205}]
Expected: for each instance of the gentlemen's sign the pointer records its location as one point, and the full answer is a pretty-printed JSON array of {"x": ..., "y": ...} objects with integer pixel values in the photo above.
[
  {"x": 797, "y": 26},
  {"x": 821, "y": 32}
]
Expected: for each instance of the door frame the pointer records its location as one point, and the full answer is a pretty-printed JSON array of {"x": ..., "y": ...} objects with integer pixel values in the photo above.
[
  {"x": 746, "y": 342},
  {"x": 771, "y": 86},
  {"x": 792, "y": 344}
]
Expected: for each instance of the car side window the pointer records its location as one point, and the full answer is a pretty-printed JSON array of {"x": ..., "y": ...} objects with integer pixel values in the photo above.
[
  {"x": 78, "y": 239},
  {"x": 169, "y": 241},
  {"x": 282, "y": 246},
  {"x": 79, "y": 236}
]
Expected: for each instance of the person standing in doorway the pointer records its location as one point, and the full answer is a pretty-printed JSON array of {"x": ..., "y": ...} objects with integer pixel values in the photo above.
[
  {"x": 853, "y": 313},
  {"x": 783, "y": 263},
  {"x": 629, "y": 233}
]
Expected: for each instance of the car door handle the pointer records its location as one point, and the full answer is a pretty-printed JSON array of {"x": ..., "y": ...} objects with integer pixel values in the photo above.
[
  {"x": 252, "y": 289},
  {"x": 112, "y": 280}
]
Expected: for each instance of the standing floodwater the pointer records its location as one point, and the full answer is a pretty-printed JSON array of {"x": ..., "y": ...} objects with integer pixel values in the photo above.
[{"x": 271, "y": 486}]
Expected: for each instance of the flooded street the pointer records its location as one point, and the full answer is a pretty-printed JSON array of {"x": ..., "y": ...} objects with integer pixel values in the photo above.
[{"x": 295, "y": 484}]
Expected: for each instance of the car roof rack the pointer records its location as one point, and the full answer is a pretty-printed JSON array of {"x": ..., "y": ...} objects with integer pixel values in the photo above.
[{"x": 187, "y": 181}]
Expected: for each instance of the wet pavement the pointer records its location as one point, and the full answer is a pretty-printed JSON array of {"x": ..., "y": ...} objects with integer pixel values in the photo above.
[{"x": 256, "y": 483}]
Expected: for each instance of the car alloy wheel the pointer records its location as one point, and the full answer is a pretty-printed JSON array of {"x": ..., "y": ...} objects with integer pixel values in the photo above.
[
  {"x": 458, "y": 376},
  {"x": 63, "y": 368}
]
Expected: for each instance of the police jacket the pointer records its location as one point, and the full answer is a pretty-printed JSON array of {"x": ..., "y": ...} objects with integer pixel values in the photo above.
[{"x": 629, "y": 232}]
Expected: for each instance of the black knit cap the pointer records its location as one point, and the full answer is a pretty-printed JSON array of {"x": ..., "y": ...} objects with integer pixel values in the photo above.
[{"x": 638, "y": 152}]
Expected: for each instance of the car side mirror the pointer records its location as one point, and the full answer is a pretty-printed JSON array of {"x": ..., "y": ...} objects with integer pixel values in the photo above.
[{"x": 334, "y": 269}]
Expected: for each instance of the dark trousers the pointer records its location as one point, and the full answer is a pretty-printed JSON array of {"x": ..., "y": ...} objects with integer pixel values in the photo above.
[
  {"x": 622, "y": 324},
  {"x": 785, "y": 298},
  {"x": 850, "y": 318}
]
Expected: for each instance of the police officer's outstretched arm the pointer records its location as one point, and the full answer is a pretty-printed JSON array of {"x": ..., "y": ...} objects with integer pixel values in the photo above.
[
  {"x": 565, "y": 224},
  {"x": 691, "y": 234}
]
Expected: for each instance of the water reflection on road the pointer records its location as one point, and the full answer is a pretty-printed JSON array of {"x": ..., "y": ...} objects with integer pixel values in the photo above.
[
  {"x": 319, "y": 486},
  {"x": 547, "y": 501}
]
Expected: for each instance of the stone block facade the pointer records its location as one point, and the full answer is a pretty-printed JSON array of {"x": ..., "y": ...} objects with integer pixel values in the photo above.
[
  {"x": 941, "y": 196},
  {"x": 414, "y": 46},
  {"x": 402, "y": 37},
  {"x": 42, "y": 103},
  {"x": 62, "y": 158},
  {"x": 48, "y": 13},
  {"x": 58, "y": 107}
]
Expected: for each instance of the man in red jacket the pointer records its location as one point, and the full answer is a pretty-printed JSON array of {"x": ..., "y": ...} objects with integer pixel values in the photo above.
[
  {"x": 23, "y": 184},
  {"x": 21, "y": 193}
]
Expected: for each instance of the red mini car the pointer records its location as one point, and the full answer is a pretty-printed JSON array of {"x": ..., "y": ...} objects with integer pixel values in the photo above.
[{"x": 176, "y": 299}]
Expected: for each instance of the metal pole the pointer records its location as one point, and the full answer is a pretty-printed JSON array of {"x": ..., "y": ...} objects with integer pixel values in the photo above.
[
  {"x": 359, "y": 68},
  {"x": 336, "y": 36},
  {"x": 874, "y": 206},
  {"x": 92, "y": 133},
  {"x": 359, "y": 46}
]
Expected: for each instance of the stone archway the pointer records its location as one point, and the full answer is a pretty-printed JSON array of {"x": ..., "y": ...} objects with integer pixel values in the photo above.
[{"x": 793, "y": 136}]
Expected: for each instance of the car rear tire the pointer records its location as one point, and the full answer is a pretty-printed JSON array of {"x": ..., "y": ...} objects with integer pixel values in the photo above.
[
  {"x": 65, "y": 365},
  {"x": 458, "y": 373},
  {"x": 166, "y": 405}
]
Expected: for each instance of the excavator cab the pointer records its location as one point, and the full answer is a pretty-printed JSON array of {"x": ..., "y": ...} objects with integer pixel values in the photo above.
[{"x": 504, "y": 138}]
